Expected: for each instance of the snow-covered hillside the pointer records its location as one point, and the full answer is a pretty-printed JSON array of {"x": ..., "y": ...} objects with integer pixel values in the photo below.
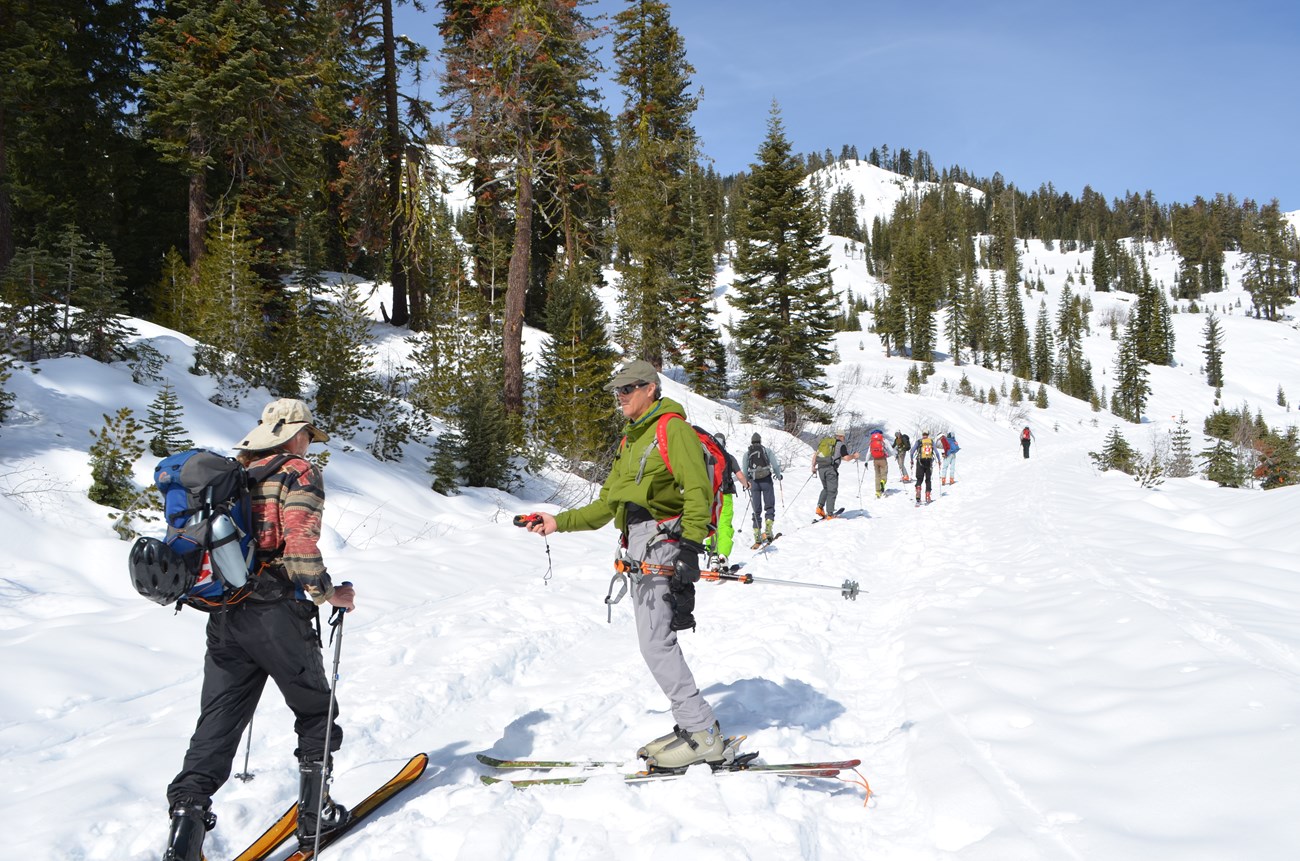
[{"x": 1045, "y": 663}]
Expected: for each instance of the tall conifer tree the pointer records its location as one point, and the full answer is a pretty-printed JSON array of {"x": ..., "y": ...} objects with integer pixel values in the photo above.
[{"x": 783, "y": 289}]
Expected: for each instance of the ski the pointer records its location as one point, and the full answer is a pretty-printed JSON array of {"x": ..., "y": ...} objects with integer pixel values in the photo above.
[
  {"x": 743, "y": 765},
  {"x": 731, "y": 745},
  {"x": 831, "y": 516},
  {"x": 541, "y": 764},
  {"x": 405, "y": 777},
  {"x": 764, "y": 542},
  {"x": 271, "y": 839}
]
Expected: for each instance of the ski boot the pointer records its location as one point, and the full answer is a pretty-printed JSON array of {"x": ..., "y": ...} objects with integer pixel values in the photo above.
[
  {"x": 190, "y": 823},
  {"x": 688, "y": 748},
  {"x": 927, "y": 497},
  {"x": 652, "y": 748},
  {"x": 820, "y": 512},
  {"x": 311, "y": 778}
]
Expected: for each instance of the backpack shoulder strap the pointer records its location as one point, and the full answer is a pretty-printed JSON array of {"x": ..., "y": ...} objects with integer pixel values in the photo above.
[
  {"x": 660, "y": 442},
  {"x": 661, "y": 436}
]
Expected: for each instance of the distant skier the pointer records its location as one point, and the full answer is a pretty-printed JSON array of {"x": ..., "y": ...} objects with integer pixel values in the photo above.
[
  {"x": 1026, "y": 437},
  {"x": 760, "y": 467},
  {"x": 924, "y": 454},
  {"x": 880, "y": 452},
  {"x": 948, "y": 472},
  {"x": 902, "y": 445},
  {"x": 826, "y": 466}
]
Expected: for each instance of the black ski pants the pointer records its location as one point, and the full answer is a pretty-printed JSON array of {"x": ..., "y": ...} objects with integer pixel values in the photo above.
[
  {"x": 247, "y": 645},
  {"x": 924, "y": 471}
]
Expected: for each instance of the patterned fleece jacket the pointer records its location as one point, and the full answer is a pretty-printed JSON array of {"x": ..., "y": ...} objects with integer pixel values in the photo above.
[{"x": 287, "y": 509}]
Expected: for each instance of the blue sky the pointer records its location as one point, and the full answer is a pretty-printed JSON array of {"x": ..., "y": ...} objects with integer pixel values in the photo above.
[{"x": 1182, "y": 98}]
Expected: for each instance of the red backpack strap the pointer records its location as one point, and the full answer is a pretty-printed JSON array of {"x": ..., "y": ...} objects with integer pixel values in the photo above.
[{"x": 661, "y": 437}]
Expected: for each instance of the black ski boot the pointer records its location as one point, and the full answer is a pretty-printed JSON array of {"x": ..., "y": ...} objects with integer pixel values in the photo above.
[
  {"x": 311, "y": 776},
  {"x": 190, "y": 823}
]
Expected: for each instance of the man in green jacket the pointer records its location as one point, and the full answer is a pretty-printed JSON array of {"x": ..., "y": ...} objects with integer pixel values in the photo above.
[{"x": 663, "y": 519}]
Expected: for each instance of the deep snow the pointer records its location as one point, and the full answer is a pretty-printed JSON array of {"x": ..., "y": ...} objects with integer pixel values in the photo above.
[{"x": 1046, "y": 663}]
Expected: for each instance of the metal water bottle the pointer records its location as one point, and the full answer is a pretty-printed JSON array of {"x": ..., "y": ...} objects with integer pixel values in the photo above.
[{"x": 227, "y": 560}]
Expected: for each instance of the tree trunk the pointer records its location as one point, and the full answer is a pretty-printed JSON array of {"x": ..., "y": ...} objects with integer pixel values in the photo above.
[
  {"x": 397, "y": 252},
  {"x": 516, "y": 293},
  {"x": 198, "y": 203}
]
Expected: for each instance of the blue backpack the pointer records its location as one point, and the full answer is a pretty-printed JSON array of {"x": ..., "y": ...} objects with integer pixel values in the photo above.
[{"x": 208, "y": 558}]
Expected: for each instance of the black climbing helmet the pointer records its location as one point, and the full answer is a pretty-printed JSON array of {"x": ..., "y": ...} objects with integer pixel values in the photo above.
[{"x": 158, "y": 572}]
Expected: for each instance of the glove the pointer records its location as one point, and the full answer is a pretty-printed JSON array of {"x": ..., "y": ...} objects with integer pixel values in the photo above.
[
  {"x": 681, "y": 597},
  {"x": 686, "y": 569}
]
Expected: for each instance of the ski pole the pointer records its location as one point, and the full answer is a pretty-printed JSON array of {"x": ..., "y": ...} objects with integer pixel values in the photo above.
[
  {"x": 785, "y": 507},
  {"x": 336, "y": 622},
  {"x": 848, "y": 589},
  {"x": 247, "y": 775}
]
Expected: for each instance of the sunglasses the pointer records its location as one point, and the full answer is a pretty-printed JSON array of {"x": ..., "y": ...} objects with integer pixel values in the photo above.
[{"x": 628, "y": 389}]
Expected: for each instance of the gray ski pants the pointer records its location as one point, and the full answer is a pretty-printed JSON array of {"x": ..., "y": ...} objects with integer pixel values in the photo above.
[
  {"x": 830, "y": 476},
  {"x": 659, "y": 646}
]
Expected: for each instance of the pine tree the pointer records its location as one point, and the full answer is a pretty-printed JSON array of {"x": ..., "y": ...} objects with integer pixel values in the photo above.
[
  {"x": 29, "y": 316},
  {"x": 655, "y": 155},
  {"x": 174, "y": 299},
  {"x": 957, "y": 322},
  {"x": 700, "y": 342},
  {"x": 72, "y": 268},
  {"x": 484, "y": 429},
  {"x": 1213, "y": 351},
  {"x": 1222, "y": 465},
  {"x": 1115, "y": 454},
  {"x": 229, "y": 313},
  {"x": 460, "y": 344},
  {"x": 1044, "y": 371},
  {"x": 1278, "y": 459},
  {"x": 164, "y": 424},
  {"x": 1156, "y": 335},
  {"x": 1272, "y": 262},
  {"x": 100, "y": 330},
  {"x": 575, "y": 413},
  {"x": 1281, "y": 396},
  {"x": 444, "y": 462},
  {"x": 228, "y": 91},
  {"x": 1181, "y": 462},
  {"x": 783, "y": 289},
  {"x": 1040, "y": 399},
  {"x": 339, "y": 361},
  {"x": 1017, "y": 333},
  {"x": 1131, "y": 377},
  {"x": 913, "y": 385},
  {"x": 1101, "y": 268},
  {"x": 116, "y": 448}
]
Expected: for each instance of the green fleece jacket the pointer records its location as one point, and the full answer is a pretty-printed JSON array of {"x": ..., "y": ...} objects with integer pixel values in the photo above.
[{"x": 687, "y": 491}]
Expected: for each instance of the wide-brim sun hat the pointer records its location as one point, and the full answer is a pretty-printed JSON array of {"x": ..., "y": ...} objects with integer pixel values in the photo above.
[{"x": 281, "y": 420}]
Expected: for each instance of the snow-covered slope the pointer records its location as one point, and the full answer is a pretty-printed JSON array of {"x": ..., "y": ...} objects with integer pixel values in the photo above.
[{"x": 1046, "y": 663}]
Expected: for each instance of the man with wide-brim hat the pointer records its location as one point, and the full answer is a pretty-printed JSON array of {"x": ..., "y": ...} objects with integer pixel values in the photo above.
[
  {"x": 272, "y": 632},
  {"x": 281, "y": 421}
]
